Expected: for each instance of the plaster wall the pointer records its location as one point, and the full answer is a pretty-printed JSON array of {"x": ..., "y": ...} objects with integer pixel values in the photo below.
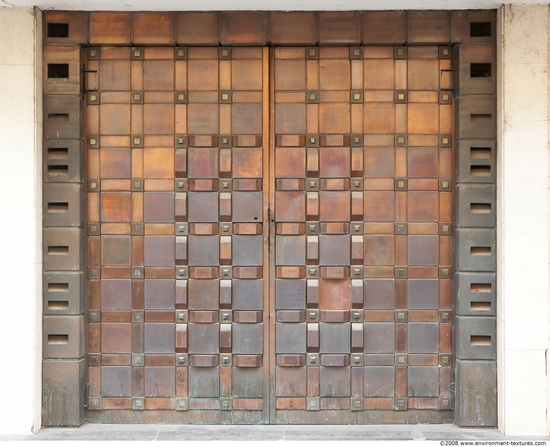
[
  {"x": 20, "y": 224},
  {"x": 523, "y": 222}
]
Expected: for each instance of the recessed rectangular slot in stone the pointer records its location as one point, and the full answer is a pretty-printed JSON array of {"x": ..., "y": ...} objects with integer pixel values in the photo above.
[
  {"x": 481, "y": 70},
  {"x": 58, "y": 207},
  {"x": 58, "y": 153},
  {"x": 60, "y": 170},
  {"x": 480, "y": 170},
  {"x": 58, "y": 287},
  {"x": 480, "y": 340},
  {"x": 58, "y": 305},
  {"x": 480, "y": 117},
  {"x": 58, "y": 117},
  {"x": 480, "y": 29},
  {"x": 58, "y": 339},
  {"x": 480, "y": 305},
  {"x": 480, "y": 153},
  {"x": 58, "y": 30},
  {"x": 480, "y": 287},
  {"x": 480, "y": 251},
  {"x": 480, "y": 208},
  {"x": 58, "y": 71},
  {"x": 58, "y": 250}
]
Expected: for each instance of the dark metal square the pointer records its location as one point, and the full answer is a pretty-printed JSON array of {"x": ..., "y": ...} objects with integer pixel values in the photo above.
[
  {"x": 401, "y": 140},
  {"x": 182, "y": 403},
  {"x": 445, "y": 228},
  {"x": 182, "y": 316},
  {"x": 226, "y": 316},
  {"x": 312, "y": 272},
  {"x": 312, "y": 184},
  {"x": 312, "y": 97},
  {"x": 137, "y": 54},
  {"x": 357, "y": 96},
  {"x": 400, "y": 53},
  {"x": 93, "y": 141},
  {"x": 357, "y": 360},
  {"x": 445, "y": 316},
  {"x": 356, "y": 404},
  {"x": 445, "y": 272},
  {"x": 136, "y": 97},
  {"x": 401, "y": 184},
  {"x": 401, "y": 228},
  {"x": 225, "y": 185},
  {"x": 357, "y": 228},
  {"x": 224, "y": 53},
  {"x": 138, "y": 316},
  {"x": 445, "y": 52},
  {"x": 181, "y": 97},
  {"x": 226, "y": 404},
  {"x": 357, "y": 272},
  {"x": 445, "y": 184},
  {"x": 356, "y": 53},
  {"x": 356, "y": 140},
  {"x": 137, "y": 229},
  {"x": 401, "y": 97},
  {"x": 182, "y": 359},
  {"x": 94, "y": 316},
  {"x": 94, "y": 53},
  {"x": 138, "y": 359},
  {"x": 94, "y": 272},
  {"x": 445, "y": 97},
  {"x": 401, "y": 403},
  {"x": 182, "y": 273},
  {"x": 312, "y": 227},
  {"x": 94, "y": 229},
  {"x": 180, "y": 53},
  {"x": 401, "y": 360},
  {"x": 225, "y": 97},
  {"x": 225, "y": 229},
  {"x": 312, "y": 315},
  {"x": 94, "y": 403},
  {"x": 225, "y": 141},
  {"x": 181, "y": 184},
  {"x": 138, "y": 272},
  {"x": 226, "y": 360},
  {"x": 445, "y": 140},
  {"x": 312, "y": 53},
  {"x": 136, "y": 140},
  {"x": 94, "y": 360},
  {"x": 400, "y": 272},
  {"x": 138, "y": 403},
  {"x": 93, "y": 184},
  {"x": 182, "y": 229},
  {"x": 312, "y": 140},
  {"x": 137, "y": 184},
  {"x": 93, "y": 98},
  {"x": 181, "y": 141},
  {"x": 313, "y": 359},
  {"x": 445, "y": 360},
  {"x": 226, "y": 273},
  {"x": 313, "y": 404},
  {"x": 401, "y": 316},
  {"x": 356, "y": 184}
]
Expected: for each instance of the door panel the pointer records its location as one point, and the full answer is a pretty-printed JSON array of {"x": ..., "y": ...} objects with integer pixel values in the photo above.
[
  {"x": 269, "y": 234},
  {"x": 363, "y": 250}
]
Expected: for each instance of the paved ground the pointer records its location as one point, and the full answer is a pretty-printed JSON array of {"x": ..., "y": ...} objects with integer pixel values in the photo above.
[{"x": 297, "y": 433}]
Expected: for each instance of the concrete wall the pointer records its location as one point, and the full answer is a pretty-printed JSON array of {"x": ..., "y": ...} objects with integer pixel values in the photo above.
[
  {"x": 21, "y": 220},
  {"x": 523, "y": 222}
]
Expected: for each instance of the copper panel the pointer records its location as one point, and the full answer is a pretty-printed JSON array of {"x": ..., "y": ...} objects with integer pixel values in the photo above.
[
  {"x": 428, "y": 26},
  {"x": 110, "y": 28},
  {"x": 384, "y": 27},
  {"x": 153, "y": 28},
  {"x": 243, "y": 27},
  {"x": 339, "y": 27},
  {"x": 294, "y": 28}
]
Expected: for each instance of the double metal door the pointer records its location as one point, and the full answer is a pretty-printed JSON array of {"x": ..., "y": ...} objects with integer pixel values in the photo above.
[{"x": 269, "y": 234}]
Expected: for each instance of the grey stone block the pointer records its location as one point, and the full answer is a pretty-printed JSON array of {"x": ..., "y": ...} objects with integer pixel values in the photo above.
[
  {"x": 476, "y": 397},
  {"x": 475, "y": 250},
  {"x": 63, "y": 393},
  {"x": 475, "y": 294},
  {"x": 475, "y": 205},
  {"x": 475, "y": 338}
]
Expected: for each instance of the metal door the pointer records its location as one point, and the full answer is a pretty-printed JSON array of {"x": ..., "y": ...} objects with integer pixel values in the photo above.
[
  {"x": 362, "y": 206},
  {"x": 269, "y": 236}
]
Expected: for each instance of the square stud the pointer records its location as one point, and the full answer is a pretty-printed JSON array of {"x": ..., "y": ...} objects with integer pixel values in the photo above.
[
  {"x": 137, "y": 229},
  {"x": 182, "y": 403},
  {"x": 401, "y": 97},
  {"x": 137, "y": 97},
  {"x": 313, "y": 404},
  {"x": 356, "y": 53},
  {"x": 445, "y": 52},
  {"x": 94, "y": 53},
  {"x": 181, "y": 141},
  {"x": 137, "y": 184},
  {"x": 445, "y": 184},
  {"x": 401, "y": 360},
  {"x": 93, "y": 98},
  {"x": 137, "y": 140},
  {"x": 356, "y": 404},
  {"x": 445, "y": 141},
  {"x": 312, "y": 140},
  {"x": 224, "y": 53},
  {"x": 180, "y": 53},
  {"x": 401, "y": 184},
  {"x": 93, "y": 141},
  {"x": 312, "y": 53},
  {"x": 312, "y": 97},
  {"x": 94, "y": 229},
  {"x": 138, "y": 403},
  {"x": 357, "y": 96},
  {"x": 180, "y": 97},
  {"x": 137, "y": 54},
  {"x": 93, "y": 185},
  {"x": 225, "y": 97},
  {"x": 401, "y": 140},
  {"x": 400, "y": 53},
  {"x": 445, "y": 97},
  {"x": 138, "y": 273}
]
